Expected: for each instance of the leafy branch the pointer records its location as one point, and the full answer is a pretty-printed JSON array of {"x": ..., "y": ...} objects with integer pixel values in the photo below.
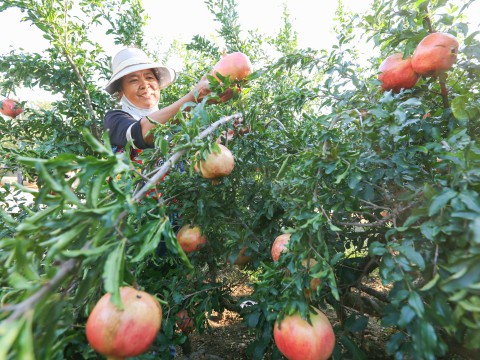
[{"x": 68, "y": 267}]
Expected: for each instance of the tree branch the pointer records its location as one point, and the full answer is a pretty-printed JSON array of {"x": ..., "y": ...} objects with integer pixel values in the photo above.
[
  {"x": 163, "y": 170},
  {"x": 19, "y": 309}
]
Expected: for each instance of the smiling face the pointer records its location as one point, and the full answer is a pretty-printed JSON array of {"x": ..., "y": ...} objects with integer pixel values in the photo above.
[{"x": 141, "y": 88}]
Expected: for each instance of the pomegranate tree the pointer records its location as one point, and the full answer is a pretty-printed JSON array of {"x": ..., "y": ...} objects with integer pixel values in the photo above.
[
  {"x": 435, "y": 54},
  {"x": 121, "y": 333},
  {"x": 217, "y": 163},
  {"x": 397, "y": 73},
  {"x": 11, "y": 108},
  {"x": 235, "y": 66},
  {"x": 190, "y": 238},
  {"x": 298, "y": 340},
  {"x": 280, "y": 245}
]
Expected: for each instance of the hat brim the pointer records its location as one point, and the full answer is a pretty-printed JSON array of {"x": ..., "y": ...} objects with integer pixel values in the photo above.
[{"x": 167, "y": 75}]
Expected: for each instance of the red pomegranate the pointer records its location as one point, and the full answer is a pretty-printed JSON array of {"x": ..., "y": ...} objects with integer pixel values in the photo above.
[
  {"x": 236, "y": 66},
  {"x": 397, "y": 73},
  {"x": 121, "y": 333},
  {"x": 314, "y": 282},
  {"x": 241, "y": 260},
  {"x": 280, "y": 245},
  {"x": 298, "y": 340},
  {"x": 184, "y": 321},
  {"x": 435, "y": 54},
  {"x": 216, "y": 164},
  {"x": 190, "y": 238},
  {"x": 11, "y": 108}
]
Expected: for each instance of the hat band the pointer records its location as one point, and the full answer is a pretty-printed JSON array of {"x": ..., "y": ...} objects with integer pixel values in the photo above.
[{"x": 124, "y": 67}]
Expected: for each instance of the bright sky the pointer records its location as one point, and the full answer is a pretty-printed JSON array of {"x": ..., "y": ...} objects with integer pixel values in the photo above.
[
  {"x": 311, "y": 19},
  {"x": 183, "y": 19}
]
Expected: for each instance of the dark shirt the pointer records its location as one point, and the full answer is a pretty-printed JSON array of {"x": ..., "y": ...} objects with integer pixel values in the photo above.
[{"x": 117, "y": 122}]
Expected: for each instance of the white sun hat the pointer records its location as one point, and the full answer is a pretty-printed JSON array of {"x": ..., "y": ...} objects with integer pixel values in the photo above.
[{"x": 130, "y": 60}]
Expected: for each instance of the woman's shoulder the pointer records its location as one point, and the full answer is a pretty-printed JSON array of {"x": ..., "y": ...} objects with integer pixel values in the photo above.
[{"x": 117, "y": 113}]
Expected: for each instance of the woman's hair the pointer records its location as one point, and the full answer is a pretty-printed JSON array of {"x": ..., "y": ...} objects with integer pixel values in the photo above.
[{"x": 117, "y": 84}]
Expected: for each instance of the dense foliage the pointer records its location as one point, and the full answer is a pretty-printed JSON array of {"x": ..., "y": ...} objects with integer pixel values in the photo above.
[{"x": 368, "y": 183}]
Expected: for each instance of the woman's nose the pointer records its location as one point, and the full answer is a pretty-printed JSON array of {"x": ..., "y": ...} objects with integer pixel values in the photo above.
[{"x": 143, "y": 83}]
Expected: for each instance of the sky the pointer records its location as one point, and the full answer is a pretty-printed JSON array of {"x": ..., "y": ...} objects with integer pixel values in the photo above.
[{"x": 181, "y": 20}]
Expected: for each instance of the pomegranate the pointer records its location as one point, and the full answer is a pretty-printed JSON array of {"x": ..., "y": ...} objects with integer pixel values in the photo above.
[
  {"x": 118, "y": 333},
  {"x": 435, "y": 54},
  {"x": 314, "y": 282},
  {"x": 396, "y": 73},
  {"x": 235, "y": 66},
  {"x": 241, "y": 260},
  {"x": 216, "y": 164},
  {"x": 298, "y": 340},
  {"x": 190, "y": 238},
  {"x": 11, "y": 108},
  {"x": 280, "y": 245},
  {"x": 184, "y": 321}
]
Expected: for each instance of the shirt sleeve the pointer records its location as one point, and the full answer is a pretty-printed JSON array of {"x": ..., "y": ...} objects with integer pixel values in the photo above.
[{"x": 121, "y": 127}]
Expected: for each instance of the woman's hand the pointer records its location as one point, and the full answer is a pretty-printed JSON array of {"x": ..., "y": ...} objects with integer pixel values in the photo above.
[{"x": 202, "y": 89}]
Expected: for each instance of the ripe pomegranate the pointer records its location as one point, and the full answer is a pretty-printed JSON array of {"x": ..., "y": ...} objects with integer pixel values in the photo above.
[
  {"x": 280, "y": 245},
  {"x": 241, "y": 259},
  {"x": 435, "y": 54},
  {"x": 236, "y": 66},
  {"x": 118, "y": 333},
  {"x": 314, "y": 282},
  {"x": 11, "y": 108},
  {"x": 298, "y": 340},
  {"x": 396, "y": 73},
  {"x": 184, "y": 321},
  {"x": 217, "y": 164},
  {"x": 190, "y": 238}
]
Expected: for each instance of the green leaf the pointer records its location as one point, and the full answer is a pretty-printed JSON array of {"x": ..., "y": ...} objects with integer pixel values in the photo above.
[
  {"x": 252, "y": 319},
  {"x": 459, "y": 107},
  {"x": 61, "y": 241},
  {"x": 415, "y": 301},
  {"x": 25, "y": 340},
  {"x": 412, "y": 255},
  {"x": 440, "y": 201},
  {"x": 95, "y": 144},
  {"x": 90, "y": 253},
  {"x": 342, "y": 176},
  {"x": 431, "y": 283},
  {"x": 333, "y": 227},
  {"x": 283, "y": 169},
  {"x": 406, "y": 316},
  {"x": 356, "y": 324},
  {"x": 151, "y": 241},
  {"x": 173, "y": 246},
  {"x": 377, "y": 248},
  {"x": 113, "y": 273},
  {"x": 9, "y": 332},
  {"x": 475, "y": 227},
  {"x": 164, "y": 147},
  {"x": 430, "y": 230},
  {"x": 465, "y": 277},
  {"x": 35, "y": 221}
]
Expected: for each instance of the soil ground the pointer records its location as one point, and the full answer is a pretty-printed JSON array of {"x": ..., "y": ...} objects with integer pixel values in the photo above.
[{"x": 229, "y": 337}]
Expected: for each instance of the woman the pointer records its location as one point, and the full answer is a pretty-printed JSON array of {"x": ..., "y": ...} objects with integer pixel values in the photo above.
[{"x": 136, "y": 82}]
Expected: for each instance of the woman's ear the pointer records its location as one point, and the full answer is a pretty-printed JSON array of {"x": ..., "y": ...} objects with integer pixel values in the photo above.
[{"x": 119, "y": 94}]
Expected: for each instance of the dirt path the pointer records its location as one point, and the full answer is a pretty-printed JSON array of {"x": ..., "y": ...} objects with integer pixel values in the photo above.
[{"x": 229, "y": 338}]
